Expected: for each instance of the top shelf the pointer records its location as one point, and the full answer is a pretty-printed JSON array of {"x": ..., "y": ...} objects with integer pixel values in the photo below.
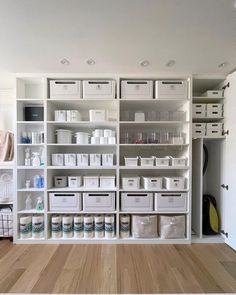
[{"x": 205, "y": 99}]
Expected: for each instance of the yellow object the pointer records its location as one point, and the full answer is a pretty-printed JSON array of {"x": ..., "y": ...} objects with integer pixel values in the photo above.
[{"x": 214, "y": 219}]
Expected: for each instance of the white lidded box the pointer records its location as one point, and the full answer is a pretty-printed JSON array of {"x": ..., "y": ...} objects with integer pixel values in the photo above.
[
  {"x": 181, "y": 161},
  {"x": 213, "y": 93},
  {"x": 91, "y": 182},
  {"x": 214, "y": 107},
  {"x": 60, "y": 181},
  {"x": 199, "y": 126},
  {"x": 144, "y": 226},
  {"x": 130, "y": 183},
  {"x": 60, "y": 115},
  {"x": 131, "y": 161},
  {"x": 137, "y": 201},
  {"x": 137, "y": 89},
  {"x": 171, "y": 202},
  {"x": 74, "y": 181},
  {"x": 198, "y": 133},
  {"x": 199, "y": 110},
  {"x": 65, "y": 89},
  {"x": 172, "y": 227},
  {"x": 174, "y": 183},
  {"x": 214, "y": 132},
  {"x": 57, "y": 159},
  {"x": 99, "y": 89},
  {"x": 163, "y": 162},
  {"x": 214, "y": 114},
  {"x": 82, "y": 159},
  {"x": 147, "y": 161},
  {"x": 101, "y": 201},
  {"x": 107, "y": 182},
  {"x": 95, "y": 159},
  {"x": 215, "y": 126},
  {"x": 97, "y": 115},
  {"x": 64, "y": 136},
  {"x": 70, "y": 159},
  {"x": 152, "y": 182},
  {"x": 66, "y": 202},
  {"x": 107, "y": 159},
  {"x": 171, "y": 89}
]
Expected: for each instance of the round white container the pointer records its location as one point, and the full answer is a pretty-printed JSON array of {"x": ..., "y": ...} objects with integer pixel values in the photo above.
[
  {"x": 64, "y": 136},
  {"x": 99, "y": 226},
  {"x": 107, "y": 133},
  {"x": 25, "y": 227},
  {"x": 88, "y": 227},
  {"x": 73, "y": 116},
  {"x": 37, "y": 227},
  {"x": 124, "y": 226},
  {"x": 98, "y": 133},
  {"x": 78, "y": 226},
  {"x": 82, "y": 137},
  {"x": 56, "y": 226},
  {"x": 111, "y": 140},
  {"x": 103, "y": 140},
  {"x": 60, "y": 115},
  {"x": 109, "y": 226},
  {"x": 67, "y": 227},
  {"x": 95, "y": 140}
]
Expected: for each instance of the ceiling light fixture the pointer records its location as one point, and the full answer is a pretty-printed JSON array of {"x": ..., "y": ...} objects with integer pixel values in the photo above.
[
  {"x": 90, "y": 62},
  {"x": 65, "y": 62},
  {"x": 144, "y": 63},
  {"x": 223, "y": 64},
  {"x": 170, "y": 63}
]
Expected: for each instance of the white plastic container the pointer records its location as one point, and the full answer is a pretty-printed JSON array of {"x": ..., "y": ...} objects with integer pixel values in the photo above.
[
  {"x": 199, "y": 110},
  {"x": 214, "y": 113},
  {"x": 131, "y": 183},
  {"x": 73, "y": 116},
  {"x": 107, "y": 159},
  {"x": 57, "y": 159},
  {"x": 65, "y": 202},
  {"x": 82, "y": 160},
  {"x": 74, "y": 181},
  {"x": 65, "y": 89},
  {"x": 91, "y": 182},
  {"x": 60, "y": 115},
  {"x": 198, "y": 133},
  {"x": 137, "y": 89},
  {"x": 95, "y": 159},
  {"x": 151, "y": 183},
  {"x": 60, "y": 181},
  {"x": 213, "y": 93},
  {"x": 214, "y": 126},
  {"x": 64, "y": 136},
  {"x": 144, "y": 226},
  {"x": 174, "y": 183},
  {"x": 182, "y": 161},
  {"x": 70, "y": 160},
  {"x": 147, "y": 161},
  {"x": 139, "y": 116},
  {"x": 97, "y": 115},
  {"x": 171, "y": 202},
  {"x": 213, "y": 133},
  {"x": 163, "y": 162},
  {"x": 99, "y": 89},
  {"x": 171, "y": 89},
  {"x": 172, "y": 227},
  {"x": 107, "y": 182},
  {"x": 82, "y": 137},
  {"x": 137, "y": 202},
  {"x": 98, "y": 202},
  {"x": 199, "y": 126},
  {"x": 131, "y": 161}
]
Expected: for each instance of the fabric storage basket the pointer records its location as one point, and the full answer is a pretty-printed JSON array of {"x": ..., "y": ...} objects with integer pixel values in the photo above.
[
  {"x": 170, "y": 202},
  {"x": 131, "y": 161},
  {"x": 91, "y": 182},
  {"x": 174, "y": 183},
  {"x": 182, "y": 161},
  {"x": 98, "y": 202},
  {"x": 64, "y": 136},
  {"x": 144, "y": 226},
  {"x": 213, "y": 93},
  {"x": 57, "y": 159},
  {"x": 172, "y": 227},
  {"x": 152, "y": 183},
  {"x": 171, "y": 89},
  {"x": 137, "y": 89},
  {"x": 65, "y": 89},
  {"x": 163, "y": 161},
  {"x": 137, "y": 201},
  {"x": 147, "y": 161},
  {"x": 107, "y": 182},
  {"x": 99, "y": 89},
  {"x": 65, "y": 202},
  {"x": 130, "y": 183},
  {"x": 97, "y": 115}
]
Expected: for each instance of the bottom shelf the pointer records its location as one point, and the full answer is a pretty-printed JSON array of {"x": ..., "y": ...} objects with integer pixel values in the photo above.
[{"x": 208, "y": 239}]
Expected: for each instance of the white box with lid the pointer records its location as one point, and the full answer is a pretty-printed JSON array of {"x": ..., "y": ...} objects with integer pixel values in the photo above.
[
  {"x": 91, "y": 182},
  {"x": 97, "y": 115},
  {"x": 198, "y": 133},
  {"x": 199, "y": 126},
  {"x": 172, "y": 227},
  {"x": 144, "y": 226},
  {"x": 130, "y": 183},
  {"x": 199, "y": 110},
  {"x": 99, "y": 89},
  {"x": 107, "y": 182},
  {"x": 137, "y": 201},
  {"x": 214, "y": 114},
  {"x": 74, "y": 181},
  {"x": 137, "y": 89},
  {"x": 214, "y": 132},
  {"x": 214, "y": 126},
  {"x": 65, "y": 89},
  {"x": 214, "y": 107},
  {"x": 152, "y": 182},
  {"x": 172, "y": 89},
  {"x": 65, "y": 202},
  {"x": 171, "y": 202},
  {"x": 174, "y": 182},
  {"x": 213, "y": 93},
  {"x": 99, "y": 201}
]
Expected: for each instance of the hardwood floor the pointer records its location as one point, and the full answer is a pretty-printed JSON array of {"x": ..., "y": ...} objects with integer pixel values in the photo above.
[{"x": 200, "y": 268}]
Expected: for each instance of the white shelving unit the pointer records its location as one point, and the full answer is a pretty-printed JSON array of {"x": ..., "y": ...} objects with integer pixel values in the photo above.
[{"x": 34, "y": 90}]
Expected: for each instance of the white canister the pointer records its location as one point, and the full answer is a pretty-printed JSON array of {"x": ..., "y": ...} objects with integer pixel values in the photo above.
[
  {"x": 25, "y": 227},
  {"x": 78, "y": 226},
  {"x": 108, "y": 133},
  {"x": 82, "y": 137},
  {"x": 103, "y": 140},
  {"x": 109, "y": 226},
  {"x": 74, "y": 181},
  {"x": 67, "y": 226},
  {"x": 38, "y": 227},
  {"x": 107, "y": 159},
  {"x": 124, "y": 226},
  {"x": 70, "y": 159},
  {"x": 98, "y": 133},
  {"x": 60, "y": 115},
  {"x": 82, "y": 159},
  {"x": 88, "y": 226},
  {"x": 64, "y": 136},
  {"x": 95, "y": 140},
  {"x": 95, "y": 159},
  {"x": 56, "y": 226},
  {"x": 57, "y": 159},
  {"x": 73, "y": 116},
  {"x": 99, "y": 226},
  {"x": 111, "y": 140}
]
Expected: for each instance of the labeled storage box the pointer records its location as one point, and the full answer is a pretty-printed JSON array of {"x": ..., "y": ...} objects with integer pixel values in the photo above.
[
  {"x": 66, "y": 202},
  {"x": 91, "y": 182},
  {"x": 199, "y": 110},
  {"x": 131, "y": 183},
  {"x": 131, "y": 161},
  {"x": 107, "y": 159},
  {"x": 74, "y": 181},
  {"x": 97, "y": 115},
  {"x": 137, "y": 201},
  {"x": 144, "y": 226},
  {"x": 98, "y": 202},
  {"x": 95, "y": 159},
  {"x": 152, "y": 183},
  {"x": 82, "y": 159},
  {"x": 174, "y": 183},
  {"x": 99, "y": 89},
  {"x": 182, "y": 161},
  {"x": 170, "y": 202},
  {"x": 213, "y": 93},
  {"x": 60, "y": 181},
  {"x": 171, "y": 89},
  {"x": 34, "y": 113},
  {"x": 107, "y": 182},
  {"x": 172, "y": 227},
  {"x": 65, "y": 89},
  {"x": 147, "y": 161},
  {"x": 163, "y": 161},
  {"x": 137, "y": 89}
]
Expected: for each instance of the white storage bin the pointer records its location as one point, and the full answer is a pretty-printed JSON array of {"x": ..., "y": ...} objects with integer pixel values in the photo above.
[
  {"x": 199, "y": 110},
  {"x": 137, "y": 201},
  {"x": 70, "y": 159},
  {"x": 97, "y": 115},
  {"x": 60, "y": 181},
  {"x": 152, "y": 183},
  {"x": 74, "y": 181},
  {"x": 174, "y": 183},
  {"x": 60, "y": 116},
  {"x": 139, "y": 116},
  {"x": 163, "y": 162},
  {"x": 213, "y": 93},
  {"x": 214, "y": 107},
  {"x": 214, "y": 114},
  {"x": 214, "y": 126},
  {"x": 147, "y": 161},
  {"x": 91, "y": 182},
  {"x": 57, "y": 159},
  {"x": 130, "y": 183},
  {"x": 65, "y": 202},
  {"x": 82, "y": 160},
  {"x": 107, "y": 159},
  {"x": 82, "y": 137},
  {"x": 99, "y": 89},
  {"x": 107, "y": 182},
  {"x": 199, "y": 126},
  {"x": 65, "y": 89},
  {"x": 131, "y": 161},
  {"x": 98, "y": 202},
  {"x": 171, "y": 202},
  {"x": 182, "y": 161},
  {"x": 137, "y": 89},
  {"x": 172, "y": 227},
  {"x": 64, "y": 136},
  {"x": 95, "y": 159},
  {"x": 144, "y": 226},
  {"x": 73, "y": 116},
  {"x": 198, "y": 133},
  {"x": 213, "y": 132},
  {"x": 171, "y": 89}
]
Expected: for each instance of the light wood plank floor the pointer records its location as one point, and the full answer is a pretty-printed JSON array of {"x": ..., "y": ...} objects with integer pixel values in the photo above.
[{"x": 117, "y": 268}]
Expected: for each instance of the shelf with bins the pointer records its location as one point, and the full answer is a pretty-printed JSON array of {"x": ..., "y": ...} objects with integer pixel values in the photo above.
[
  {"x": 154, "y": 168},
  {"x": 81, "y": 189}
]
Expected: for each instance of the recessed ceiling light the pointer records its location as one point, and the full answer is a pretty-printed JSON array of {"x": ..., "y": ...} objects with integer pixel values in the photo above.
[
  {"x": 170, "y": 63},
  {"x": 144, "y": 63},
  {"x": 223, "y": 64},
  {"x": 90, "y": 62},
  {"x": 65, "y": 62}
]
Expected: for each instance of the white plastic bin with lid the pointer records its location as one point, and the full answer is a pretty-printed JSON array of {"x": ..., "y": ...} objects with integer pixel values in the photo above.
[
  {"x": 213, "y": 93},
  {"x": 172, "y": 89},
  {"x": 151, "y": 183},
  {"x": 199, "y": 110},
  {"x": 99, "y": 89},
  {"x": 70, "y": 159},
  {"x": 107, "y": 159},
  {"x": 144, "y": 226},
  {"x": 107, "y": 182},
  {"x": 172, "y": 227},
  {"x": 82, "y": 160},
  {"x": 99, "y": 201},
  {"x": 147, "y": 161},
  {"x": 163, "y": 162},
  {"x": 95, "y": 159},
  {"x": 74, "y": 181},
  {"x": 137, "y": 202},
  {"x": 130, "y": 183},
  {"x": 215, "y": 126},
  {"x": 131, "y": 161},
  {"x": 137, "y": 89},
  {"x": 64, "y": 136},
  {"x": 65, "y": 202},
  {"x": 57, "y": 159},
  {"x": 181, "y": 161},
  {"x": 97, "y": 115},
  {"x": 174, "y": 182},
  {"x": 199, "y": 130},
  {"x": 82, "y": 137},
  {"x": 214, "y": 132},
  {"x": 65, "y": 89},
  {"x": 171, "y": 202},
  {"x": 91, "y": 181}
]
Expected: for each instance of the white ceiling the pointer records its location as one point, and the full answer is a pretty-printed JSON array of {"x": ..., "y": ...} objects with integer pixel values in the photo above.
[{"x": 36, "y": 34}]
